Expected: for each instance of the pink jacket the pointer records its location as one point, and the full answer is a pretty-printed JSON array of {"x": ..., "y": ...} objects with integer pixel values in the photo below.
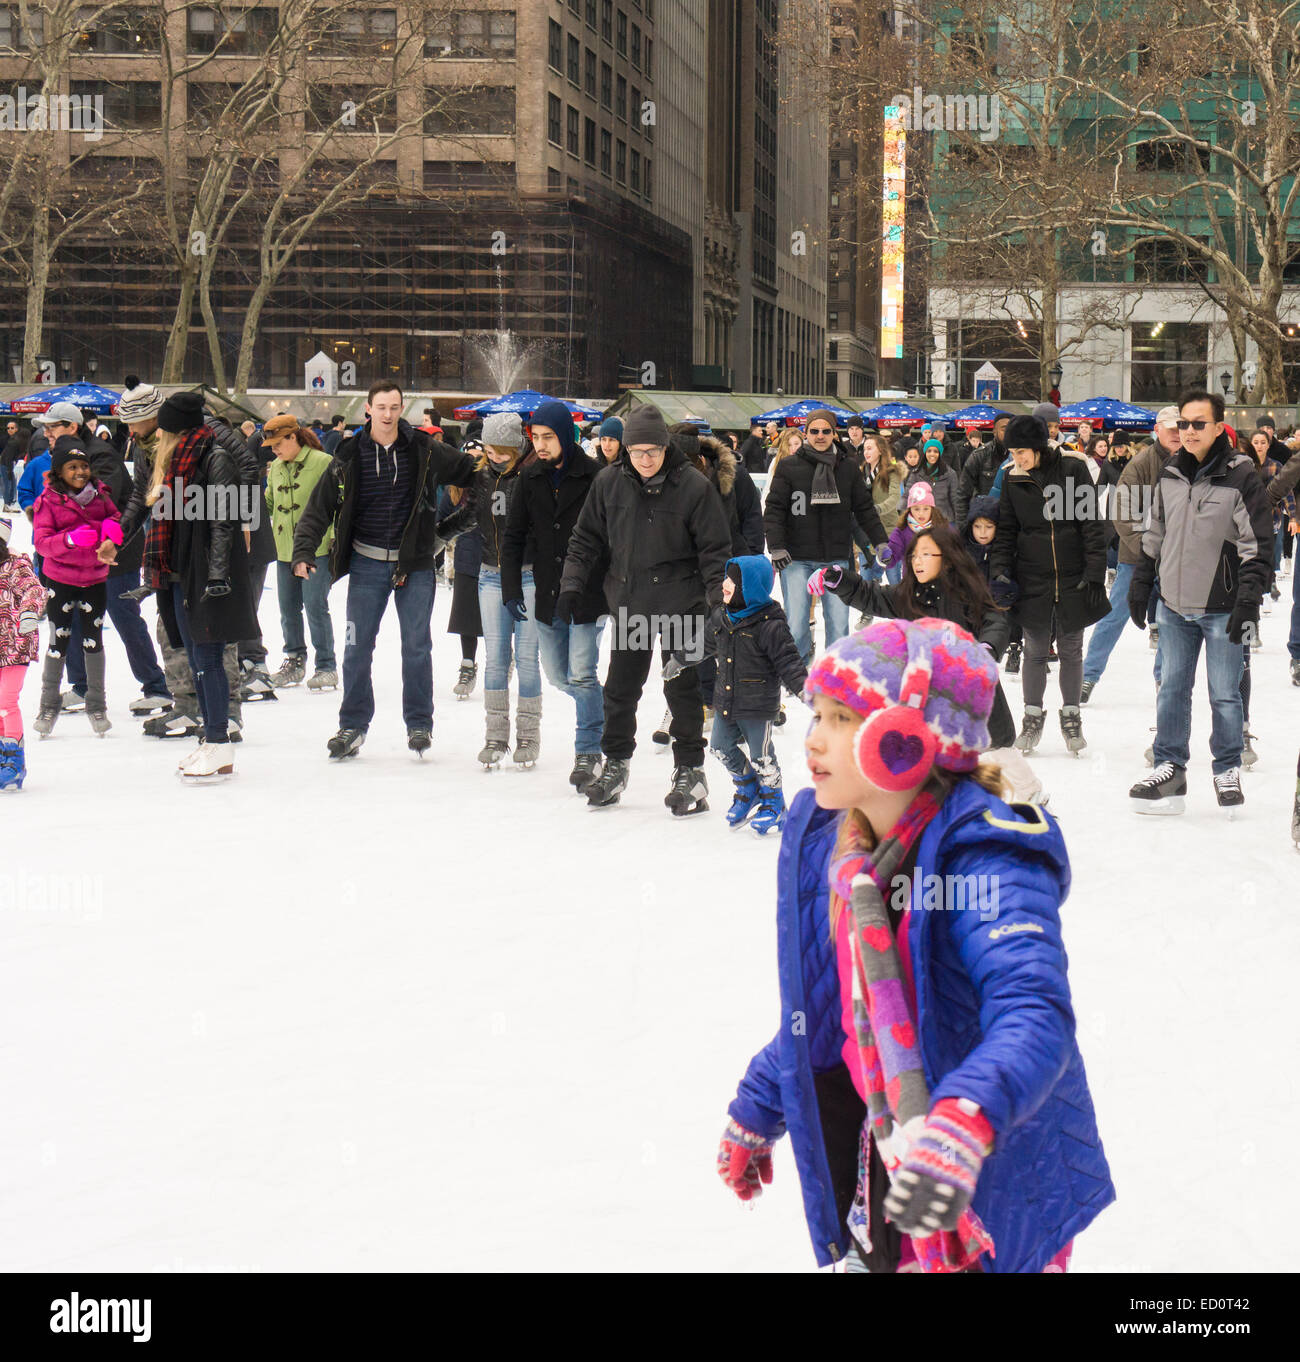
[
  {"x": 54, "y": 515},
  {"x": 20, "y": 593}
]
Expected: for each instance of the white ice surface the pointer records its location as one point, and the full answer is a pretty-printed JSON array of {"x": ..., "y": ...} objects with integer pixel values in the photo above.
[{"x": 402, "y": 1015}]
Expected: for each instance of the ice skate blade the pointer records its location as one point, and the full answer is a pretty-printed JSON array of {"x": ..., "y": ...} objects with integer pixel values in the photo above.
[
  {"x": 701, "y": 807},
  {"x": 524, "y": 765},
  {"x": 608, "y": 804},
  {"x": 1167, "y": 807},
  {"x": 215, "y": 779}
]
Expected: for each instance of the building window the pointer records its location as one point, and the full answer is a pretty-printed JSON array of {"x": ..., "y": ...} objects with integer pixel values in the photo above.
[
  {"x": 832, "y": 351},
  {"x": 620, "y": 98},
  {"x": 636, "y": 46},
  {"x": 250, "y": 30},
  {"x": 832, "y": 380},
  {"x": 636, "y": 110},
  {"x": 833, "y": 318},
  {"x": 127, "y": 104},
  {"x": 606, "y": 85},
  {"x": 650, "y": 58},
  {"x": 591, "y": 15},
  {"x": 573, "y": 134},
  {"x": 481, "y": 110},
  {"x": 553, "y": 128},
  {"x": 649, "y": 187},
  {"x": 606, "y": 152},
  {"x": 206, "y": 101},
  {"x": 554, "y": 181},
  {"x": 371, "y": 105},
  {"x": 620, "y": 161},
  {"x": 589, "y": 142},
  {"x": 650, "y": 10},
  {"x": 635, "y": 178},
  {"x": 590, "y": 73},
  {"x": 607, "y": 20},
  {"x": 15, "y": 38},
  {"x": 472, "y": 33},
  {"x": 621, "y": 44},
  {"x": 118, "y": 32},
  {"x": 357, "y": 33},
  {"x": 575, "y": 8},
  {"x": 575, "y": 61},
  {"x": 1172, "y": 360},
  {"x": 555, "y": 46}
]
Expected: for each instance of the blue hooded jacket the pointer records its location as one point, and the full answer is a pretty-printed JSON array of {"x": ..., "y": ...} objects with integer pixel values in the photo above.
[
  {"x": 994, "y": 1021},
  {"x": 756, "y": 578}
]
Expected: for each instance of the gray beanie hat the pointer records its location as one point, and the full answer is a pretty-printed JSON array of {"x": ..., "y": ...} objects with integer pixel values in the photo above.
[
  {"x": 139, "y": 404},
  {"x": 1047, "y": 412},
  {"x": 503, "y": 428},
  {"x": 645, "y": 426}
]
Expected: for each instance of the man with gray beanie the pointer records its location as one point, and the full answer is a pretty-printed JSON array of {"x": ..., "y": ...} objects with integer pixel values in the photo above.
[
  {"x": 1050, "y": 415},
  {"x": 657, "y": 527}
]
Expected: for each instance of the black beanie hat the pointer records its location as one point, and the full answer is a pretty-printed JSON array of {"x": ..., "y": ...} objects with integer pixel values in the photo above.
[
  {"x": 738, "y": 595},
  {"x": 67, "y": 448},
  {"x": 181, "y": 412},
  {"x": 1025, "y": 432}
]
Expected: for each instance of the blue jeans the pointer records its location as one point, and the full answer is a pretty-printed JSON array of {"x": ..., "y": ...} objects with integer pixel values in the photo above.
[
  {"x": 835, "y": 613},
  {"x": 8, "y": 485},
  {"x": 501, "y": 631},
  {"x": 370, "y": 584},
  {"x": 873, "y": 572},
  {"x": 1180, "y": 648},
  {"x": 312, "y": 595},
  {"x": 1108, "y": 629},
  {"x": 207, "y": 662},
  {"x": 124, "y": 613},
  {"x": 569, "y": 655},
  {"x": 725, "y": 744}
]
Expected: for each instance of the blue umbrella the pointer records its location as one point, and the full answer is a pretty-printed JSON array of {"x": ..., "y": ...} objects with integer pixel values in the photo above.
[
  {"x": 584, "y": 411},
  {"x": 88, "y": 396},
  {"x": 979, "y": 414},
  {"x": 802, "y": 410},
  {"x": 524, "y": 402},
  {"x": 899, "y": 414},
  {"x": 1110, "y": 413}
]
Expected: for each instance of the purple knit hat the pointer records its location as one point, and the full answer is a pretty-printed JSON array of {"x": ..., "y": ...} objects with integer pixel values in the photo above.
[{"x": 882, "y": 665}]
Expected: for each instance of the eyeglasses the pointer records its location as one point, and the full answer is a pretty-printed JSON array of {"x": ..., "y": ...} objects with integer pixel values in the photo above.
[
  {"x": 925, "y": 557},
  {"x": 1194, "y": 425},
  {"x": 644, "y": 451},
  {"x": 820, "y": 430}
]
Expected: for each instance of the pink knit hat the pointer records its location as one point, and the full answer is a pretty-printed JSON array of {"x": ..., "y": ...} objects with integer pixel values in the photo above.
[{"x": 922, "y": 494}]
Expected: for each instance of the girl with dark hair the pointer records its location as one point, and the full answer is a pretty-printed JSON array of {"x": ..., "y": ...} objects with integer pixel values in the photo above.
[{"x": 22, "y": 603}]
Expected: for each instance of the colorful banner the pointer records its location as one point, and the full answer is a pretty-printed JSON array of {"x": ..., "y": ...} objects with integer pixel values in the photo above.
[{"x": 892, "y": 209}]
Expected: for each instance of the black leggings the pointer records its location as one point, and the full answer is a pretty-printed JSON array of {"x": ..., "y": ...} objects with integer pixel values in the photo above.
[
  {"x": 1033, "y": 675},
  {"x": 468, "y": 647},
  {"x": 88, "y": 603}
]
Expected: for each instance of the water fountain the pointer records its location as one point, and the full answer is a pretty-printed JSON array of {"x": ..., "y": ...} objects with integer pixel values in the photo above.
[{"x": 501, "y": 352}]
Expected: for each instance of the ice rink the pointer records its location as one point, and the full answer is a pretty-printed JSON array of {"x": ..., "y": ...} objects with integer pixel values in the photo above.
[{"x": 404, "y": 1015}]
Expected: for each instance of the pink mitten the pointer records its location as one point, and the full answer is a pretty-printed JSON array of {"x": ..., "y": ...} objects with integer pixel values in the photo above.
[
  {"x": 83, "y": 537},
  {"x": 112, "y": 530}
]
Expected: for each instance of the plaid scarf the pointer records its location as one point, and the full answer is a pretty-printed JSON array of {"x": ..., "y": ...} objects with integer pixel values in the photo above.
[
  {"x": 158, "y": 536},
  {"x": 898, "y": 1100}
]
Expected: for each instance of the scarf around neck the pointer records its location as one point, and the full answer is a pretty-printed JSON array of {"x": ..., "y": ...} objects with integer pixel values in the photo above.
[
  {"x": 824, "y": 490},
  {"x": 158, "y": 536},
  {"x": 898, "y": 1098}
]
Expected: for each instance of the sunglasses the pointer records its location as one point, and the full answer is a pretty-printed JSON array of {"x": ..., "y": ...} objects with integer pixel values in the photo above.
[
  {"x": 1194, "y": 425},
  {"x": 820, "y": 430}
]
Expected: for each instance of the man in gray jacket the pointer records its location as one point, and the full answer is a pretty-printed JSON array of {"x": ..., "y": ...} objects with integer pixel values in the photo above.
[
  {"x": 1130, "y": 504},
  {"x": 1210, "y": 538}
]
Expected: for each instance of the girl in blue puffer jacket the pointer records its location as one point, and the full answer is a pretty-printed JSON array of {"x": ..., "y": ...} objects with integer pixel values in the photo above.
[{"x": 925, "y": 1066}]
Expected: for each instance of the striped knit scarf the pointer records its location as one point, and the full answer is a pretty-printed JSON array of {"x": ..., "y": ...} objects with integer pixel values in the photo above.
[
  {"x": 898, "y": 1100},
  {"x": 158, "y": 536}
]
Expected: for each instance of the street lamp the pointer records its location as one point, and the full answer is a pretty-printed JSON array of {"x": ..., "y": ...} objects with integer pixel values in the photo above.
[
  {"x": 1056, "y": 374},
  {"x": 93, "y": 366},
  {"x": 1225, "y": 382},
  {"x": 67, "y": 369}
]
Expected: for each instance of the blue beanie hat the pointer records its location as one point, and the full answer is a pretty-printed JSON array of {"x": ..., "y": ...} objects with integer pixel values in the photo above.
[
  {"x": 557, "y": 417},
  {"x": 612, "y": 427}
]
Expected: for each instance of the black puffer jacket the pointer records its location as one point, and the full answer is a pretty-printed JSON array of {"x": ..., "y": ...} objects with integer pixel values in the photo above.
[
  {"x": 978, "y": 474},
  {"x": 539, "y": 526},
  {"x": 818, "y": 534},
  {"x": 1050, "y": 556},
  {"x": 334, "y": 501},
  {"x": 666, "y": 542},
  {"x": 252, "y": 457},
  {"x": 202, "y": 551},
  {"x": 755, "y": 656},
  {"x": 730, "y": 478},
  {"x": 485, "y": 508}
]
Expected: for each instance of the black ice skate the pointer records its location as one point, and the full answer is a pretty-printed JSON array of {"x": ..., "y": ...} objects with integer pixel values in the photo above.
[
  {"x": 1164, "y": 791},
  {"x": 689, "y": 792}
]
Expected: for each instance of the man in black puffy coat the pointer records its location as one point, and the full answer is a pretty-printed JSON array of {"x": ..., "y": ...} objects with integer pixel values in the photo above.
[
  {"x": 660, "y": 527},
  {"x": 980, "y": 469},
  {"x": 818, "y": 505}
]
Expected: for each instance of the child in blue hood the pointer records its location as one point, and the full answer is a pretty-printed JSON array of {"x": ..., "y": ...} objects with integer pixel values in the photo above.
[{"x": 756, "y": 653}]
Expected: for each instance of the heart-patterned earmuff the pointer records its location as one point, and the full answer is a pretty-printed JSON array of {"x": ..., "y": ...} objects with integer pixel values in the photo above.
[{"x": 895, "y": 748}]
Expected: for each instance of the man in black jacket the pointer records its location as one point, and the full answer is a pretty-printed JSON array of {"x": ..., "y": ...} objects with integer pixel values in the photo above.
[
  {"x": 15, "y": 448},
  {"x": 754, "y": 451},
  {"x": 107, "y": 466},
  {"x": 381, "y": 496},
  {"x": 818, "y": 504},
  {"x": 544, "y": 508},
  {"x": 659, "y": 526},
  {"x": 980, "y": 469}
]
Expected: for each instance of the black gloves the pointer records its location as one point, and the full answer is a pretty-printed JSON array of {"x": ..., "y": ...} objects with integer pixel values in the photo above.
[
  {"x": 780, "y": 559},
  {"x": 1094, "y": 597},
  {"x": 566, "y": 603},
  {"x": 1242, "y": 623},
  {"x": 516, "y": 609},
  {"x": 1005, "y": 592}
]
